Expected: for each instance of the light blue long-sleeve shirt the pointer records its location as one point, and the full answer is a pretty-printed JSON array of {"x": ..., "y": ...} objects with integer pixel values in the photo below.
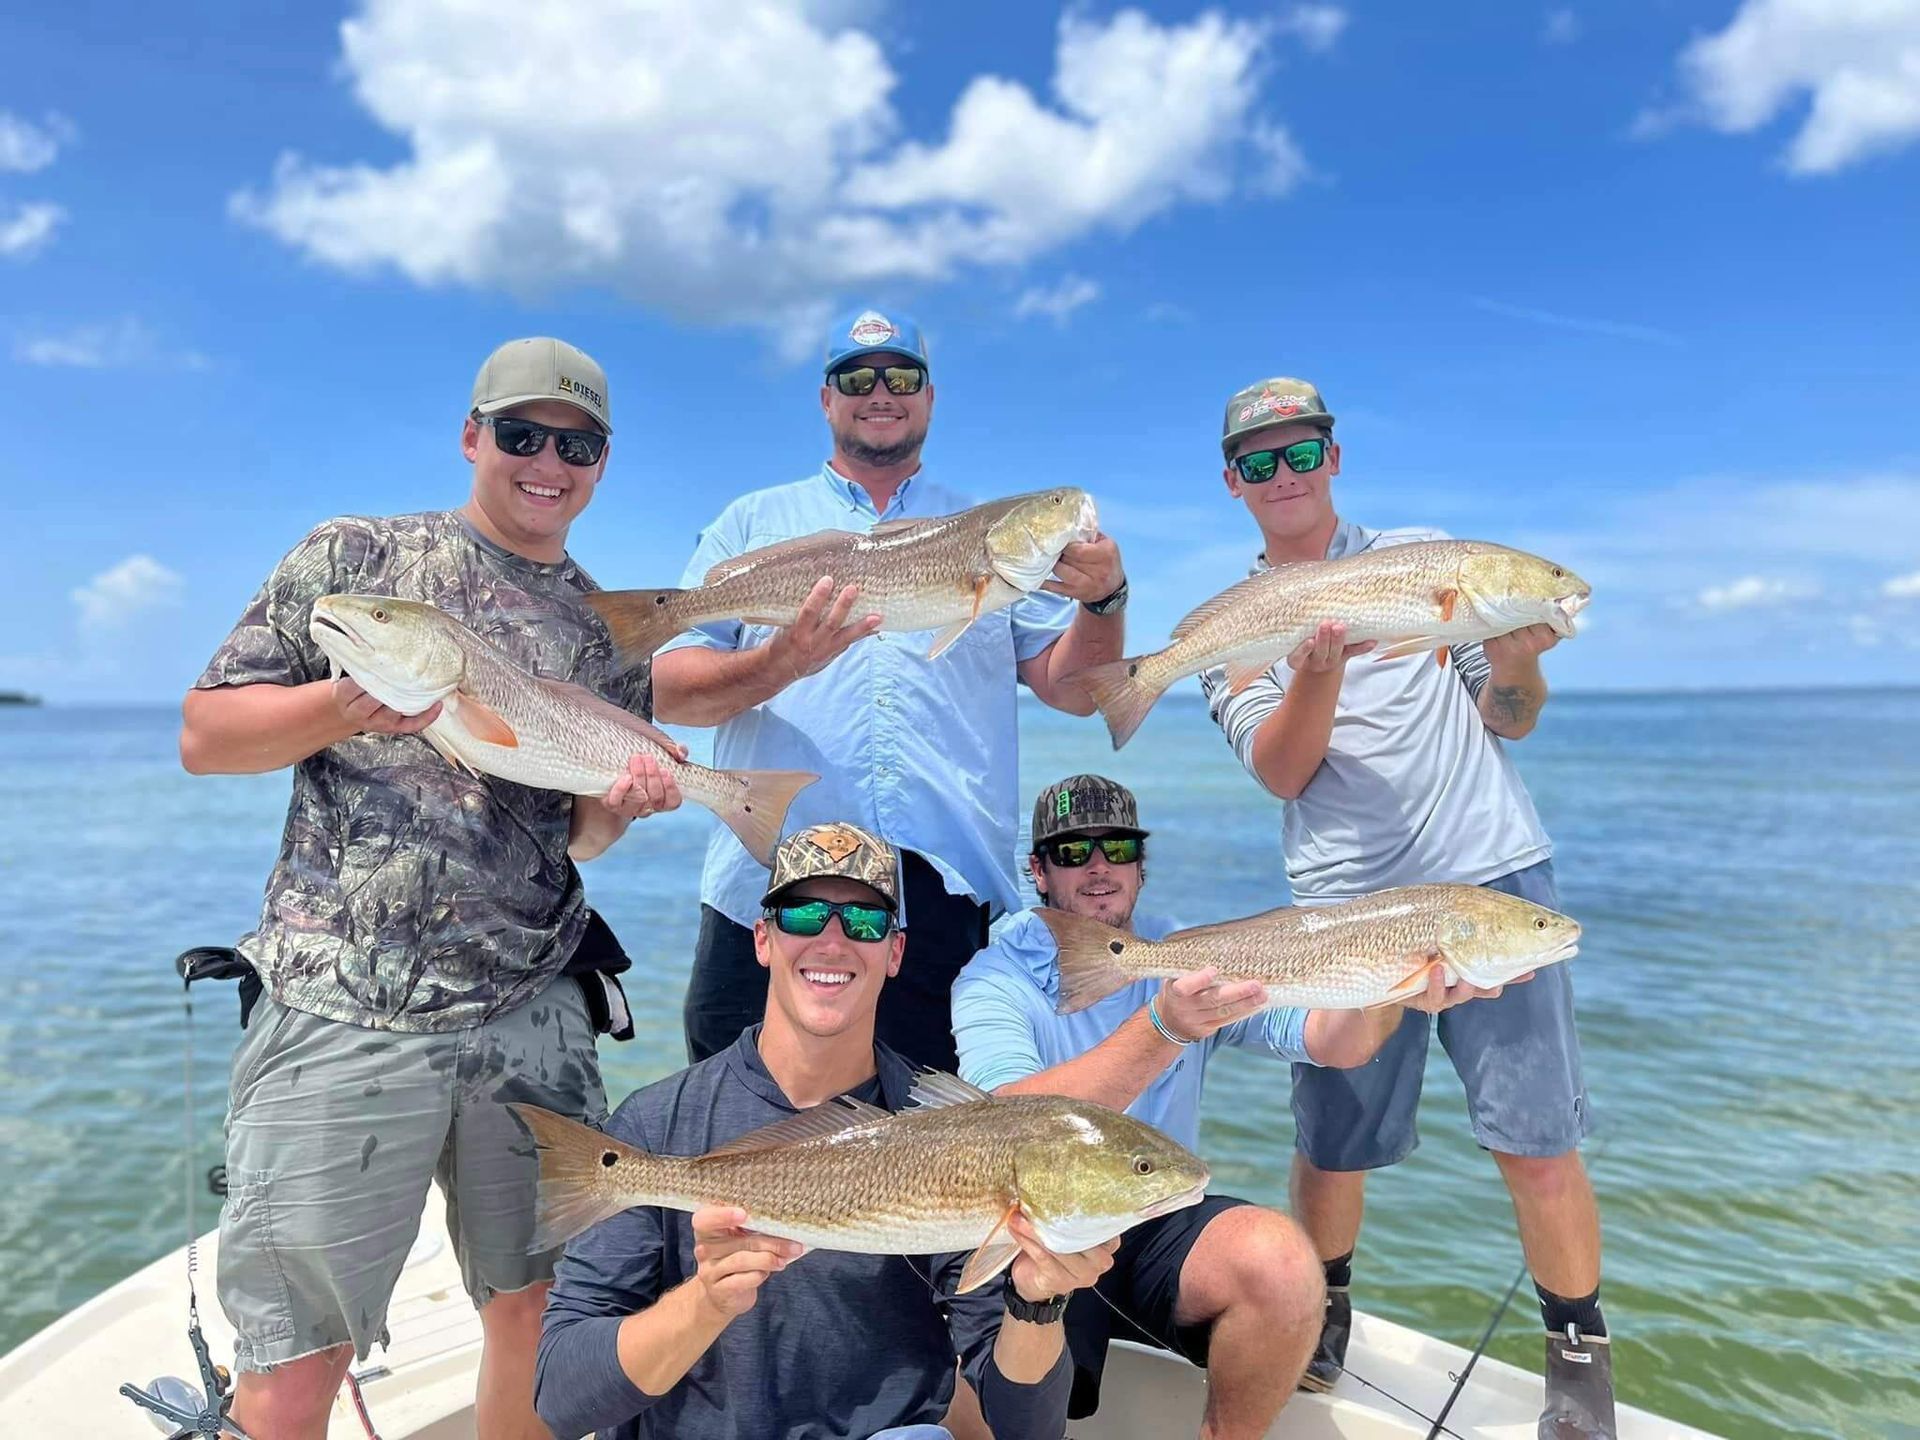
[
  {"x": 1006, "y": 1029},
  {"x": 924, "y": 752}
]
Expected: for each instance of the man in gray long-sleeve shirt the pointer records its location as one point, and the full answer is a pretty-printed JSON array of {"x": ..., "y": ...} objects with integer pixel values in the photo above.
[{"x": 661, "y": 1323}]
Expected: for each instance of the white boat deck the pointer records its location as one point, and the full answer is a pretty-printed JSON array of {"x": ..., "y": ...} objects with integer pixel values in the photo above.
[{"x": 64, "y": 1381}]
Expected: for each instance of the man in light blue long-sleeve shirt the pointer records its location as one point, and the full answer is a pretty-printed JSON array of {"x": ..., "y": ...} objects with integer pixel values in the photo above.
[
  {"x": 1227, "y": 1284},
  {"x": 924, "y": 751}
]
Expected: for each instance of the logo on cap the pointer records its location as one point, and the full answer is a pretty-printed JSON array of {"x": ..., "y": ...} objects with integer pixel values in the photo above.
[
  {"x": 1269, "y": 403},
  {"x": 568, "y": 385},
  {"x": 871, "y": 329},
  {"x": 1063, "y": 804},
  {"x": 836, "y": 841}
]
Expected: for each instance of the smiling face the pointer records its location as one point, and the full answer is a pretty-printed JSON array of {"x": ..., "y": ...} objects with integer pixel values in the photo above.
[
  {"x": 1098, "y": 890},
  {"x": 879, "y": 429},
  {"x": 527, "y": 504},
  {"x": 1291, "y": 510},
  {"x": 825, "y": 986}
]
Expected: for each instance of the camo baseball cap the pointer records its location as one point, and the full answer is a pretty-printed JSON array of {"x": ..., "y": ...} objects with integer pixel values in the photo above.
[
  {"x": 1282, "y": 400},
  {"x": 1084, "y": 802},
  {"x": 869, "y": 332},
  {"x": 542, "y": 369},
  {"x": 837, "y": 849}
]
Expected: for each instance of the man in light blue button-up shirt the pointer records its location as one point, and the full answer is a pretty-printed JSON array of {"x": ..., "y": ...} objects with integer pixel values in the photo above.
[{"x": 923, "y": 751}]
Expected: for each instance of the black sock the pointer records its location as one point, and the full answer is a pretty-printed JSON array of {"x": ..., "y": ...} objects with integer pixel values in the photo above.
[
  {"x": 1559, "y": 1312},
  {"x": 1339, "y": 1272}
]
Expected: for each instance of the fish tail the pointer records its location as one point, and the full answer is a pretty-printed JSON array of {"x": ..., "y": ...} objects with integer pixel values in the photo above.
[
  {"x": 1089, "y": 958},
  {"x": 641, "y": 620},
  {"x": 758, "y": 816},
  {"x": 573, "y": 1194},
  {"x": 1124, "y": 690}
]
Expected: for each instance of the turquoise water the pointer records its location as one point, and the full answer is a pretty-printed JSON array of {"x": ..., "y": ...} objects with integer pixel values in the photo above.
[{"x": 1747, "y": 867}]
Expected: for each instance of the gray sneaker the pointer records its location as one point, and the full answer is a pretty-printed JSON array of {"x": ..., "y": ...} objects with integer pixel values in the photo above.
[
  {"x": 1329, "y": 1360},
  {"x": 1579, "y": 1388}
]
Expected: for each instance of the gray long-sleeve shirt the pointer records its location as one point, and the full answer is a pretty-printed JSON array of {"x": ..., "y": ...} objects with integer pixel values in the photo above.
[{"x": 839, "y": 1345}]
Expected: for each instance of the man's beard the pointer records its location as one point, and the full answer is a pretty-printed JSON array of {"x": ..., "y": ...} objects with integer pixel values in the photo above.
[{"x": 879, "y": 456}]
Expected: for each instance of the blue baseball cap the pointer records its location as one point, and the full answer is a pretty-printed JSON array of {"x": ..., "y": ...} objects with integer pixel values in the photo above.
[{"x": 868, "y": 332}]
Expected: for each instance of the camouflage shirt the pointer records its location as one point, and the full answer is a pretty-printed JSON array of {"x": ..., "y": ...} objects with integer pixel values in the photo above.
[{"x": 408, "y": 895}]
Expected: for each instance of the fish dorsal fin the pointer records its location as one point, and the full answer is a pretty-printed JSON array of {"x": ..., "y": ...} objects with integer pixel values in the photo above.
[
  {"x": 1206, "y": 610},
  {"x": 842, "y": 1115},
  {"x": 888, "y": 528},
  {"x": 934, "y": 1089},
  {"x": 606, "y": 709},
  {"x": 737, "y": 564}
]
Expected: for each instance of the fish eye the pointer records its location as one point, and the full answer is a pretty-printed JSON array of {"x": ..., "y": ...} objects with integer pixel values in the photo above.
[
  {"x": 379, "y": 615},
  {"x": 1558, "y": 573},
  {"x": 1142, "y": 1165},
  {"x": 1540, "y": 922}
]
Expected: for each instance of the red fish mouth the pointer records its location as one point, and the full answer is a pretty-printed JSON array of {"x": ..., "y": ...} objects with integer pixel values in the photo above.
[{"x": 1175, "y": 1202}]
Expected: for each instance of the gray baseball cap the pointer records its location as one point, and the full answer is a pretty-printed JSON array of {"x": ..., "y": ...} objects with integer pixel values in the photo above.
[
  {"x": 837, "y": 849},
  {"x": 542, "y": 368}
]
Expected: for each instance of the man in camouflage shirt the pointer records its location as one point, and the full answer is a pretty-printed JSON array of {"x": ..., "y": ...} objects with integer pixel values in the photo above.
[{"x": 416, "y": 923}]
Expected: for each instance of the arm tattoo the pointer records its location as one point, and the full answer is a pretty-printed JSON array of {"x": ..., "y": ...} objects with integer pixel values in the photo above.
[{"x": 1512, "y": 704}]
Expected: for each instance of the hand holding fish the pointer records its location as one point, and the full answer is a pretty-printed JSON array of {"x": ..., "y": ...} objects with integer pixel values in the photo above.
[
  {"x": 1519, "y": 646},
  {"x": 1326, "y": 650},
  {"x": 1439, "y": 995},
  {"x": 1088, "y": 570},
  {"x": 1195, "y": 1006},
  {"x": 822, "y": 630},
  {"x": 369, "y": 717},
  {"x": 735, "y": 1262},
  {"x": 646, "y": 789},
  {"x": 1039, "y": 1274}
]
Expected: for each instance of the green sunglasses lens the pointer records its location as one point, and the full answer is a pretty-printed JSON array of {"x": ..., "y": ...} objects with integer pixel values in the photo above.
[
  {"x": 1121, "y": 849},
  {"x": 1304, "y": 456},
  {"x": 1072, "y": 853},
  {"x": 808, "y": 918},
  {"x": 1259, "y": 467},
  {"x": 865, "y": 922}
]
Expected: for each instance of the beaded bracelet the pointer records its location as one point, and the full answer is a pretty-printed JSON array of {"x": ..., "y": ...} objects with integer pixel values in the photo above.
[{"x": 1153, "y": 1014}]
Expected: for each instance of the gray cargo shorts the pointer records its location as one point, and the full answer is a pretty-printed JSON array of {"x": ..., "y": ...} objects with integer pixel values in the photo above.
[
  {"x": 1518, "y": 1056},
  {"x": 334, "y": 1133}
]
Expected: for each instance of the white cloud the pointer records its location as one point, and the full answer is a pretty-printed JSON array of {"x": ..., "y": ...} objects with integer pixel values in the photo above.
[
  {"x": 114, "y": 597},
  {"x": 1613, "y": 329},
  {"x": 1318, "y": 26},
  {"x": 1902, "y": 587},
  {"x": 123, "y": 345},
  {"x": 1752, "y": 590},
  {"x": 746, "y": 165},
  {"x": 1562, "y": 27},
  {"x": 1060, "y": 301},
  {"x": 26, "y": 147},
  {"x": 28, "y": 229},
  {"x": 1859, "y": 60}
]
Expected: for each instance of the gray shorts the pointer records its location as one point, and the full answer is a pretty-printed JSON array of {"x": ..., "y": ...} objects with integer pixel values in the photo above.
[
  {"x": 334, "y": 1133},
  {"x": 1518, "y": 1056}
]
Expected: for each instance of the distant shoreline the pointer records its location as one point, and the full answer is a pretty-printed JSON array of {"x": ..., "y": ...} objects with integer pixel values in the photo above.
[{"x": 18, "y": 697}]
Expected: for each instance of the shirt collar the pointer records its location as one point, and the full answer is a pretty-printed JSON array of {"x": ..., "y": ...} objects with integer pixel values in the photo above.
[
  {"x": 888, "y": 1089},
  {"x": 855, "y": 496},
  {"x": 1349, "y": 538}
]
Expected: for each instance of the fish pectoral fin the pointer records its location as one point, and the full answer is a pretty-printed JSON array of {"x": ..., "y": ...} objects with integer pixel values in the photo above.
[
  {"x": 1414, "y": 984},
  {"x": 484, "y": 723},
  {"x": 1411, "y": 646},
  {"x": 1446, "y": 599},
  {"x": 944, "y": 640},
  {"x": 996, "y": 1253},
  {"x": 1242, "y": 673}
]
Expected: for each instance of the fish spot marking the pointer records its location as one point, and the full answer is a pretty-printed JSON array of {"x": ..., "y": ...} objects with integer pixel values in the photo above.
[
  {"x": 1116, "y": 947},
  {"x": 608, "y": 1159}
]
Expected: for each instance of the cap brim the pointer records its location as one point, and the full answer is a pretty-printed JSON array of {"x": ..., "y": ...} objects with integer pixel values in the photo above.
[
  {"x": 885, "y": 899},
  {"x": 494, "y": 407},
  {"x": 1322, "y": 421},
  {"x": 861, "y": 352}
]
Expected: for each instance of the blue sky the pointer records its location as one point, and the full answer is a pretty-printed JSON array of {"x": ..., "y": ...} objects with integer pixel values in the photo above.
[{"x": 1631, "y": 285}]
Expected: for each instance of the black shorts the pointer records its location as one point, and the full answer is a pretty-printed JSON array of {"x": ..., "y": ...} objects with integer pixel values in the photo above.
[{"x": 1144, "y": 1285}]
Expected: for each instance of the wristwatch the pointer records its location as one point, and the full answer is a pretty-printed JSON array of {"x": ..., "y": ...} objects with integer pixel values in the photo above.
[
  {"x": 1035, "y": 1312},
  {"x": 1110, "y": 605}
]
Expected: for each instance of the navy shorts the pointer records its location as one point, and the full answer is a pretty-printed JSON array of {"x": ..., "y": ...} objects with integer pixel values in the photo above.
[
  {"x": 1144, "y": 1286},
  {"x": 1518, "y": 1056}
]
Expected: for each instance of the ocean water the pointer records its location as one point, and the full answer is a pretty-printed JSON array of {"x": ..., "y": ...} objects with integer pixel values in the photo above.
[{"x": 1747, "y": 867}]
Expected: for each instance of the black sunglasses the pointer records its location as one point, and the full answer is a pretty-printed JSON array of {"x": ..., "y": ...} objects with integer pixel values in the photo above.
[
  {"x": 1302, "y": 457},
  {"x": 526, "y": 439},
  {"x": 1072, "y": 854},
  {"x": 860, "y": 379},
  {"x": 859, "y": 920}
]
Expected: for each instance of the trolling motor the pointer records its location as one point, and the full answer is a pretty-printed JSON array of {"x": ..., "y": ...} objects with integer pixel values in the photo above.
[{"x": 170, "y": 1401}]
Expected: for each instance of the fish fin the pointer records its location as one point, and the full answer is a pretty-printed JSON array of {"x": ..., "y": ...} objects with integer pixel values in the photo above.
[
  {"x": 1446, "y": 599},
  {"x": 1122, "y": 696},
  {"x": 640, "y": 621},
  {"x": 1412, "y": 985},
  {"x": 835, "y": 1117},
  {"x": 762, "y": 811},
  {"x": 436, "y": 738},
  {"x": 894, "y": 527},
  {"x": 484, "y": 723},
  {"x": 946, "y": 637},
  {"x": 1088, "y": 956},
  {"x": 936, "y": 1089},
  {"x": 1411, "y": 646},
  {"x": 573, "y": 1194},
  {"x": 1440, "y": 657},
  {"x": 1242, "y": 673},
  {"x": 821, "y": 540},
  {"x": 993, "y": 1256}
]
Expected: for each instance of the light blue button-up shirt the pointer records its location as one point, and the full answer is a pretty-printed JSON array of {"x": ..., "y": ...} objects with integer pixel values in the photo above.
[
  {"x": 1006, "y": 1029},
  {"x": 923, "y": 752}
]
